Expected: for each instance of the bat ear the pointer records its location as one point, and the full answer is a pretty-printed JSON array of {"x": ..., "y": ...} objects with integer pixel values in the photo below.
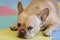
[
  {"x": 43, "y": 14},
  {"x": 20, "y": 8}
]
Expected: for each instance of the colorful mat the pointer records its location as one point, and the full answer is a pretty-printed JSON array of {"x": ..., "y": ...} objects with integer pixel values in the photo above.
[{"x": 12, "y": 35}]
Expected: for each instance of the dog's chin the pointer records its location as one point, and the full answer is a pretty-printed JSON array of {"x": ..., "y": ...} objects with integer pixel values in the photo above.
[{"x": 29, "y": 36}]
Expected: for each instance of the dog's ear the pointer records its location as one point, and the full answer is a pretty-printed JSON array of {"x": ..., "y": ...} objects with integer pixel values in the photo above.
[
  {"x": 20, "y": 8},
  {"x": 43, "y": 14}
]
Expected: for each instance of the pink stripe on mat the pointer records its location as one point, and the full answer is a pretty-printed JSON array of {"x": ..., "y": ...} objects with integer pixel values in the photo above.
[{"x": 7, "y": 11}]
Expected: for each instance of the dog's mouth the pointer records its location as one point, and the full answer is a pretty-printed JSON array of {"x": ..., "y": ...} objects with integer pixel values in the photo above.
[
  {"x": 22, "y": 33},
  {"x": 21, "y": 36},
  {"x": 25, "y": 36}
]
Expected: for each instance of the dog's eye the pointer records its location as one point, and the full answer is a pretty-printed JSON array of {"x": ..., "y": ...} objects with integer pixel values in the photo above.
[
  {"x": 19, "y": 24},
  {"x": 30, "y": 28}
]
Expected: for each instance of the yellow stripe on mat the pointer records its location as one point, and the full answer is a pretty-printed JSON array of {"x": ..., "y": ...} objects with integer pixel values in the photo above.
[{"x": 12, "y": 35}]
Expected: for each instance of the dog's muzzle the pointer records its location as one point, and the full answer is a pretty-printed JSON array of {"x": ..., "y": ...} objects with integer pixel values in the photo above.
[{"x": 21, "y": 33}]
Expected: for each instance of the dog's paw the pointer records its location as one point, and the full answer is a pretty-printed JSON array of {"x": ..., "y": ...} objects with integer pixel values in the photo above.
[
  {"x": 14, "y": 28},
  {"x": 43, "y": 28},
  {"x": 46, "y": 33}
]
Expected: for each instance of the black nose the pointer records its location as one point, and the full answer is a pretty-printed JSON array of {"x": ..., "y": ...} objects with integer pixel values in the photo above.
[{"x": 21, "y": 33}]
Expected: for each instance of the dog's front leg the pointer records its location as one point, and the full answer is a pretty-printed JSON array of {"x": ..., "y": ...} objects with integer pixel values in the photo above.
[
  {"x": 14, "y": 27},
  {"x": 50, "y": 29}
]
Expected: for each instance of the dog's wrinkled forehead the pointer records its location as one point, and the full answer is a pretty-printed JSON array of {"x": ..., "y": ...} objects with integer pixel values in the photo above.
[
  {"x": 25, "y": 17},
  {"x": 22, "y": 17}
]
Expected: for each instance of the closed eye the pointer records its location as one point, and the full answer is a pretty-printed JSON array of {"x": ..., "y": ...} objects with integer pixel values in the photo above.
[
  {"x": 30, "y": 28},
  {"x": 18, "y": 24}
]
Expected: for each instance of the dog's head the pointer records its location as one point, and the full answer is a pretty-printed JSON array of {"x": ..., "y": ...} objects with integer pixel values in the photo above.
[{"x": 29, "y": 24}]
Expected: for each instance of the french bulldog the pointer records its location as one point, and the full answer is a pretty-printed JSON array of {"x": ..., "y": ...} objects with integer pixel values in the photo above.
[{"x": 39, "y": 15}]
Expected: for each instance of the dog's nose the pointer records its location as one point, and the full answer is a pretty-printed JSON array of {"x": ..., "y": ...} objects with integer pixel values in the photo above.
[{"x": 22, "y": 33}]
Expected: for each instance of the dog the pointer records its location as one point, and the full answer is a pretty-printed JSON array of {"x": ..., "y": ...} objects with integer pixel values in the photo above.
[{"x": 39, "y": 15}]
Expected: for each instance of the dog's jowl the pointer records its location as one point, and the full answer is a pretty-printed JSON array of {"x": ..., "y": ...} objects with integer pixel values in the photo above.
[{"x": 40, "y": 14}]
